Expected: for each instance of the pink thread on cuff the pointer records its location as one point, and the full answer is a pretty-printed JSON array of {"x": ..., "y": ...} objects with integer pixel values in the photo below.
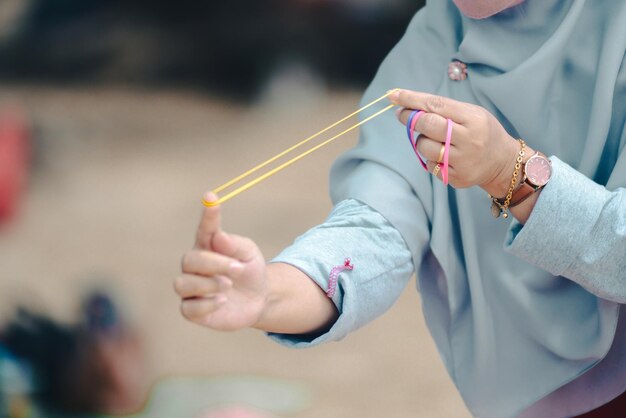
[{"x": 334, "y": 275}]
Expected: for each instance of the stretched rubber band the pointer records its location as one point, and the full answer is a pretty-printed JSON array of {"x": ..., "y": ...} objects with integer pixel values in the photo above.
[
  {"x": 446, "y": 154},
  {"x": 410, "y": 128},
  {"x": 260, "y": 178}
]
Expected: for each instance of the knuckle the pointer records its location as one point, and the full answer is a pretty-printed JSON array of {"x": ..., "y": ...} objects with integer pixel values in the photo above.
[
  {"x": 470, "y": 181},
  {"x": 248, "y": 243},
  {"x": 458, "y": 184},
  {"x": 482, "y": 115},
  {"x": 403, "y": 115},
  {"x": 179, "y": 285},
  {"x": 182, "y": 261},
  {"x": 208, "y": 263},
  {"x": 429, "y": 122},
  {"x": 478, "y": 144},
  {"x": 184, "y": 309},
  {"x": 481, "y": 146},
  {"x": 403, "y": 96},
  {"x": 435, "y": 104},
  {"x": 191, "y": 311},
  {"x": 420, "y": 144},
  {"x": 185, "y": 261}
]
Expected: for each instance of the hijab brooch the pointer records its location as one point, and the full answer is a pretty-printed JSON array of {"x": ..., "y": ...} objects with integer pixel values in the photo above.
[{"x": 457, "y": 70}]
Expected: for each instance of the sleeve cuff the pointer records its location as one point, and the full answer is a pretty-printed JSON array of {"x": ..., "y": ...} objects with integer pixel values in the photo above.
[
  {"x": 382, "y": 267},
  {"x": 558, "y": 227}
]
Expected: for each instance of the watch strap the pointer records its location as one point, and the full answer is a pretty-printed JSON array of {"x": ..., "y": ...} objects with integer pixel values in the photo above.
[{"x": 522, "y": 193}]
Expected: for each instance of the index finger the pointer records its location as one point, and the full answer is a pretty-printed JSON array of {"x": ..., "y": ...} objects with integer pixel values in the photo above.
[
  {"x": 430, "y": 103},
  {"x": 210, "y": 223}
]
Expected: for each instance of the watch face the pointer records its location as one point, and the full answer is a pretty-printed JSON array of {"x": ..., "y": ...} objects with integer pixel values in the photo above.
[{"x": 538, "y": 170}]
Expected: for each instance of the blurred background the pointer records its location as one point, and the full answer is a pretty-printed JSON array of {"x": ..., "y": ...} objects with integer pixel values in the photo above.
[{"x": 115, "y": 117}]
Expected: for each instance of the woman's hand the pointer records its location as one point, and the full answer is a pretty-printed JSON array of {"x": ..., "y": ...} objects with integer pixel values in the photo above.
[
  {"x": 481, "y": 154},
  {"x": 223, "y": 285}
]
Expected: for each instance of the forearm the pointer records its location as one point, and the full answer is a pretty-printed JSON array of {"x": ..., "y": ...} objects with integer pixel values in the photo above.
[
  {"x": 295, "y": 304},
  {"x": 380, "y": 265}
]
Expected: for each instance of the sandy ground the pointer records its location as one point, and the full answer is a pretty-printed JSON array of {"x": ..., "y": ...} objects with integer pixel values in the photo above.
[{"x": 114, "y": 201}]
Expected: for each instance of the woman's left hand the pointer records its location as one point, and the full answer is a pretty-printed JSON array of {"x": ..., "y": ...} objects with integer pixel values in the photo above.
[{"x": 481, "y": 154}]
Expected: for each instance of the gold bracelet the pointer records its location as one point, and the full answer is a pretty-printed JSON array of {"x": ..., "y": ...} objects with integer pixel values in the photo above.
[{"x": 498, "y": 208}]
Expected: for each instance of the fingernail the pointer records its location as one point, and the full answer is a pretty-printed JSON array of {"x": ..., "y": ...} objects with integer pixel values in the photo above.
[
  {"x": 394, "y": 96},
  {"x": 235, "y": 268},
  {"x": 210, "y": 197}
]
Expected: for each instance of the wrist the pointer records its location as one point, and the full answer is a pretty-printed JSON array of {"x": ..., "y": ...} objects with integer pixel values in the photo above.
[
  {"x": 293, "y": 303},
  {"x": 522, "y": 211},
  {"x": 268, "y": 298},
  {"x": 499, "y": 186},
  {"x": 537, "y": 173}
]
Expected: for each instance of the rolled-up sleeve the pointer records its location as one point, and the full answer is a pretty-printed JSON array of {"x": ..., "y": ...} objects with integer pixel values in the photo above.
[
  {"x": 382, "y": 266},
  {"x": 577, "y": 230}
]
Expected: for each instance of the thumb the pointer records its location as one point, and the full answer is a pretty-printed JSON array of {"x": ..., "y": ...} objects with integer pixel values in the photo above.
[
  {"x": 210, "y": 223},
  {"x": 235, "y": 246}
]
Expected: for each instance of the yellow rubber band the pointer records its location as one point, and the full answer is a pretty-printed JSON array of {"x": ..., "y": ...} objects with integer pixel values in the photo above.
[{"x": 259, "y": 179}]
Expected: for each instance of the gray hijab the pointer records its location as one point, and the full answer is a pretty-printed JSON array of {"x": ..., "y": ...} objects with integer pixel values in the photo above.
[{"x": 551, "y": 72}]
